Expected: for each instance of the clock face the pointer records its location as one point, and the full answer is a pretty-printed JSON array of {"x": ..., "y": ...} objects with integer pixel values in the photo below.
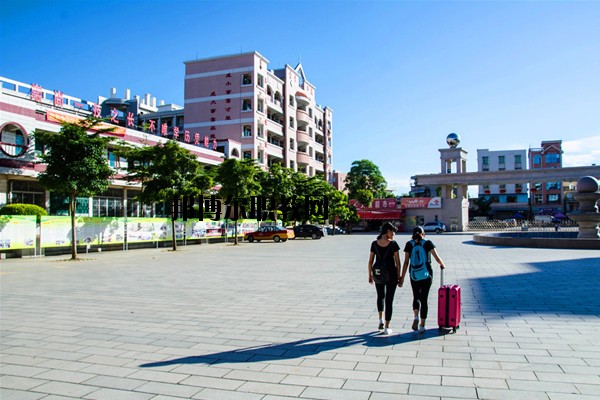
[{"x": 14, "y": 142}]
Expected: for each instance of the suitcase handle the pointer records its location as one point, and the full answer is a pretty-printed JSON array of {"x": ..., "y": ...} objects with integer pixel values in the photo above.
[{"x": 441, "y": 277}]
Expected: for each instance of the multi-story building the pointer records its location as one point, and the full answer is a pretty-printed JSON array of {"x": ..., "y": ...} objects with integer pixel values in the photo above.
[
  {"x": 506, "y": 199},
  {"x": 234, "y": 107},
  {"x": 546, "y": 197},
  {"x": 271, "y": 114}
]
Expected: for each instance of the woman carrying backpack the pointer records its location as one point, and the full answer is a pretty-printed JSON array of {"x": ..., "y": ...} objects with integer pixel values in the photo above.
[
  {"x": 385, "y": 272},
  {"x": 418, "y": 253}
]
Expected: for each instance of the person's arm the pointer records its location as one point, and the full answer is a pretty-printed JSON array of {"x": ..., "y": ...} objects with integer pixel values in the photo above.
[
  {"x": 437, "y": 258},
  {"x": 370, "y": 267},
  {"x": 397, "y": 264},
  {"x": 404, "y": 269}
]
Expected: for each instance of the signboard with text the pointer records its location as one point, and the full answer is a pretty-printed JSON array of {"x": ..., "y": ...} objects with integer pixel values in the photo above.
[{"x": 421, "y": 202}]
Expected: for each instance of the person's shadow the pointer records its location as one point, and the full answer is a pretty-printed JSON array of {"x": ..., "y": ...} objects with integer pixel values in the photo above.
[{"x": 296, "y": 349}]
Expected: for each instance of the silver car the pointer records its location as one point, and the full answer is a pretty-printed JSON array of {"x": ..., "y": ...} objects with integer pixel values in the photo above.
[{"x": 436, "y": 227}]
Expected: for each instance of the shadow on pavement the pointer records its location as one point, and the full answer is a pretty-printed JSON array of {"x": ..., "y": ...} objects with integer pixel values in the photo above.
[
  {"x": 566, "y": 287},
  {"x": 297, "y": 349}
]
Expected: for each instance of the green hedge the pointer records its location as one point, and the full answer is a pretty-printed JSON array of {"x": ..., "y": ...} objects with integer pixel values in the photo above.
[{"x": 22, "y": 209}]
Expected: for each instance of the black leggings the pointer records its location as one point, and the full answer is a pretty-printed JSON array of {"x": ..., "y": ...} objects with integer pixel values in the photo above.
[
  {"x": 420, "y": 293},
  {"x": 385, "y": 293}
]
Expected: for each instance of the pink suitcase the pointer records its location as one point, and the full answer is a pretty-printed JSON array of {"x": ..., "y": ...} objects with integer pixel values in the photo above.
[{"x": 448, "y": 306}]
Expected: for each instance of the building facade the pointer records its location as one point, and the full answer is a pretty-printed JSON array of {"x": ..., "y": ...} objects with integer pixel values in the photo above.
[
  {"x": 234, "y": 107},
  {"x": 506, "y": 199},
  {"x": 271, "y": 113},
  {"x": 547, "y": 197},
  {"x": 26, "y": 108}
]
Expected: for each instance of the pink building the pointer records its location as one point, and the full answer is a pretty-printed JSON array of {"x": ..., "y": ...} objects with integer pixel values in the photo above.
[{"x": 269, "y": 115}]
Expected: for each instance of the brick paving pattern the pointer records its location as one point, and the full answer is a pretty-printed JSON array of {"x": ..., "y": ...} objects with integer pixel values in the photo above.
[{"x": 274, "y": 321}]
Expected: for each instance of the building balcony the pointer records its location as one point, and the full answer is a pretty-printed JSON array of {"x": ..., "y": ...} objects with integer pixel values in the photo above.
[
  {"x": 274, "y": 127},
  {"x": 302, "y": 137},
  {"x": 303, "y": 118},
  {"x": 274, "y": 151},
  {"x": 303, "y": 158},
  {"x": 301, "y": 98},
  {"x": 275, "y": 105}
]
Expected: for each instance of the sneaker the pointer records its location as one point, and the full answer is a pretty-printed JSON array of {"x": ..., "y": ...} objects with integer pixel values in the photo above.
[
  {"x": 415, "y": 324},
  {"x": 421, "y": 329},
  {"x": 387, "y": 331},
  {"x": 380, "y": 326}
]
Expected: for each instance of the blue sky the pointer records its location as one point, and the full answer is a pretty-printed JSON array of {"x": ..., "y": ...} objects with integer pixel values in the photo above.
[{"x": 399, "y": 75}]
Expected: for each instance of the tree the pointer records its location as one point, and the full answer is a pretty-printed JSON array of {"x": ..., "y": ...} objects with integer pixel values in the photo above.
[
  {"x": 165, "y": 171},
  {"x": 365, "y": 182},
  {"x": 276, "y": 184},
  {"x": 238, "y": 181},
  {"x": 76, "y": 164},
  {"x": 339, "y": 208}
]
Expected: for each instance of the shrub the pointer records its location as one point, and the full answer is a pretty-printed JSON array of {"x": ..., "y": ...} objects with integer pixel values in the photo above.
[{"x": 23, "y": 209}]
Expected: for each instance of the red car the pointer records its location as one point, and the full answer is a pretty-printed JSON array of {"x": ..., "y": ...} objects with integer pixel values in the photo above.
[{"x": 275, "y": 233}]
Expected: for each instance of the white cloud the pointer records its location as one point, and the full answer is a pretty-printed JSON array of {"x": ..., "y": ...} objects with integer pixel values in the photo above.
[
  {"x": 399, "y": 184},
  {"x": 581, "y": 152}
]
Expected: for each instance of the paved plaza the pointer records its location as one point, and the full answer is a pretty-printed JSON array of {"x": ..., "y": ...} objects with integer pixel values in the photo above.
[{"x": 296, "y": 320}]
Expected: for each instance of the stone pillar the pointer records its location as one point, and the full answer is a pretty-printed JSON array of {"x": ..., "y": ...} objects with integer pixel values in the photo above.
[{"x": 587, "y": 215}]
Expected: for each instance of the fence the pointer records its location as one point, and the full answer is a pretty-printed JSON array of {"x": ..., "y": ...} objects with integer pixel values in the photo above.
[{"x": 23, "y": 235}]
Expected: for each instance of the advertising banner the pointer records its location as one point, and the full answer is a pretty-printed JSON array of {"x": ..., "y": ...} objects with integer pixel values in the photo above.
[
  {"x": 421, "y": 202},
  {"x": 150, "y": 229},
  {"x": 17, "y": 232},
  {"x": 56, "y": 231},
  {"x": 210, "y": 228}
]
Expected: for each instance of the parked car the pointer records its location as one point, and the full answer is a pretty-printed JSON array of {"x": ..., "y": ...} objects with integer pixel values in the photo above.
[
  {"x": 436, "y": 227},
  {"x": 275, "y": 233},
  {"x": 337, "y": 231},
  {"x": 311, "y": 231}
]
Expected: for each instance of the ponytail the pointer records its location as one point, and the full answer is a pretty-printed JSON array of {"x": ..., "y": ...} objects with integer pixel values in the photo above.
[{"x": 417, "y": 232}]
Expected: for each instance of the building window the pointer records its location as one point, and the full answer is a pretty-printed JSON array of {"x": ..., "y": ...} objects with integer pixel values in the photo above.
[
  {"x": 247, "y": 131},
  {"x": 291, "y": 100},
  {"x": 261, "y": 81},
  {"x": 109, "y": 204},
  {"x": 291, "y": 122},
  {"x": 501, "y": 163},
  {"x": 261, "y": 157},
  {"x": 553, "y": 198},
  {"x": 246, "y": 79},
  {"x": 261, "y": 131},
  {"x": 485, "y": 163},
  {"x": 59, "y": 205},
  {"x": 518, "y": 162},
  {"x": 135, "y": 208},
  {"x": 537, "y": 160},
  {"x": 246, "y": 105},
  {"x": 552, "y": 158},
  {"x": 260, "y": 106},
  {"x": 310, "y": 132},
  {"x": 310, "y": 112},
  {"x": 511, "y": 199},
  {"x": 292, "y": 164},
  {"x": 537, "y": 199},
  {"x": 552, "y": 185},
  {"x": 247, "y": 155},
  {"x": 291, "y": 144},
  {"x": 27, "y": 192}
]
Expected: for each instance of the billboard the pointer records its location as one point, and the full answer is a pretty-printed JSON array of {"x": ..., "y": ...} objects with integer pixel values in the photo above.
[{"x": 421, "y": 202}]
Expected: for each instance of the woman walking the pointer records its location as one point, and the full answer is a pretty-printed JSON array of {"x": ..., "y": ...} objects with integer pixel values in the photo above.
[
  {"x": 418, "y": 253},
  {"x": 384, "y": 272}
]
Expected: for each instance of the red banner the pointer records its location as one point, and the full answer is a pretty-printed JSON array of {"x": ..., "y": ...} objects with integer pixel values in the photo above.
[{"x": 388, "y": 215}]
